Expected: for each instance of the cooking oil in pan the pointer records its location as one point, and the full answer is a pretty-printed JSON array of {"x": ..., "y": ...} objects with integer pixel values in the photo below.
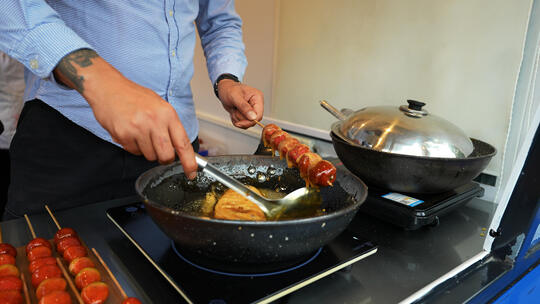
[
  {"x": 199, "y": 197},
  {"x": 201, "y": 203}
]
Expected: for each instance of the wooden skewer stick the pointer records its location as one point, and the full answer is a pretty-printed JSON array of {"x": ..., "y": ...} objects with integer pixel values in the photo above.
[
  {"x": 25, "y": 290},
  {"x": 124, "y": 295},
  {"x": 260, "y": 124},
  {"x": 30, "y": 226},
  {"x": 67, "y": 277},
  {"x": 53, "y": 217}
]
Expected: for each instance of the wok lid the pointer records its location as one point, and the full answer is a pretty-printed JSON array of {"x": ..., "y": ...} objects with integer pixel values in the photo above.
[{"x": 408, "y": 130}]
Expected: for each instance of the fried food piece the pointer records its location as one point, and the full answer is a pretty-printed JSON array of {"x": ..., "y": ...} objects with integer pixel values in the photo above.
[
  {"x": 234, "y": 206},
  {"x": 208, "y": 204}
]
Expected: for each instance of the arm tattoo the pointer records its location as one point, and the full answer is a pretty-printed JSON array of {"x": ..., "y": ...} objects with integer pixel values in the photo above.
[{"x": 66, "y": 67}]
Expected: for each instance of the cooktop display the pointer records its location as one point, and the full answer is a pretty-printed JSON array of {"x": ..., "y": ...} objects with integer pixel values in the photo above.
[
  {"x": 412, "y": 211},
  {"x": 199, "y": 282}
]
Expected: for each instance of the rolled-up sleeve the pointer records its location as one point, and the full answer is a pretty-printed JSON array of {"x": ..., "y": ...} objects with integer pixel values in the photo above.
[
  {"x": 220, "y": 29},
  {"x": 35, "y": 35}
]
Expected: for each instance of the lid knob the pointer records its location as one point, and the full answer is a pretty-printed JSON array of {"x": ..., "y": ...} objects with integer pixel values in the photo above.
[{"x": 415, "y": 105}]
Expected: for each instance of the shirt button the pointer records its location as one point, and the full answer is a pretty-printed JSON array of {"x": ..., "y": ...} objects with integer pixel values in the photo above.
[
  {"x": 34, "y": 64},
  {"x": 170, "y": 13},
  {"x": 170, "y": 92},
  {"x": 173, "y": 53}
]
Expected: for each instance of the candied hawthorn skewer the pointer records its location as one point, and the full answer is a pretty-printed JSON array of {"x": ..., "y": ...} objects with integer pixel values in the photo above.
[
  {"x": 46, "y": 275},
  {"x": 7, "y": 249},
  {"x": 8, "y": 253},
  {"x": 67, "y": 242},
  {"x": 313, "y": 169},
  {"x": 87, "y": 277},
  {"x": 11, "y": 280},
  {"x": 70, "y": 281},
  {"x": 25, "y": 290},
  {"x": 127, "y": 300}
]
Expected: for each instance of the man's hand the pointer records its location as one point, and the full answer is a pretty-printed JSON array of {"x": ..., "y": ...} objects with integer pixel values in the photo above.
[
  {"x": 244, "y": 103},
  {"x": 136, "y": 117}
]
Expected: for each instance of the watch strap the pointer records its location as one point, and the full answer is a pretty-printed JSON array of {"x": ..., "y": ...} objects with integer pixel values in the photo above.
[{"x": 220, "y": 78}]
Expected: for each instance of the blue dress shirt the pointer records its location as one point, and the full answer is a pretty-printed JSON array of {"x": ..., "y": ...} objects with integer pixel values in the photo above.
[{"x": 150, "y": 42}]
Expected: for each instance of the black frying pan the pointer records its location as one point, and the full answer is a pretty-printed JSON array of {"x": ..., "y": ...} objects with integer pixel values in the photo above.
[
  {"x": 413, "y": 174},
  {"x": 164, "y": 189}
]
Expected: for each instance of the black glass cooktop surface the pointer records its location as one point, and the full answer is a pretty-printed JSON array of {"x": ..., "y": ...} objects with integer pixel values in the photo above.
[{"x": 198, "y": 283}]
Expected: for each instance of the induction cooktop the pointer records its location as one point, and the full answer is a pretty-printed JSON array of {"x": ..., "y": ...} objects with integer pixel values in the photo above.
[{"x": 202, "y": 283}]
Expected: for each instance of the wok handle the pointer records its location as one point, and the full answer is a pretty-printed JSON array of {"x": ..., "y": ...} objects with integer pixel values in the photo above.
[
  {"x": 328, "y": 107},
  {"x": 231, "y": 182}
]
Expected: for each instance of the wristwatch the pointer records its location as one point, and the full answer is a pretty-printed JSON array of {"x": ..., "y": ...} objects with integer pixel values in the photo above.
[{"x": 220, "y": 78}]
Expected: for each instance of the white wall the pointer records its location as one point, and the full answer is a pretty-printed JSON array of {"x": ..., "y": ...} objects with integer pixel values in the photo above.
[
  {"x": 527, "y": 97},
  {"x": 258, "y": 28},
  {"x": 461, "y": 57}
]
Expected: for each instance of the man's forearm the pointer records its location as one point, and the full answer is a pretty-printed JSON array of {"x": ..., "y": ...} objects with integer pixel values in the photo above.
[
  {"x": 68, "y": 71},
  {"x": 95, "y": 79}
]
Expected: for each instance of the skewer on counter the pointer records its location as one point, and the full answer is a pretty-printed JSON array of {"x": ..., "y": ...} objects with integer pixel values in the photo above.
[
  {"x": 67, "y": 241},
  {"x": 70, "y": 281},
  {"x": 7, "y": 252},
  {"x": 53, "y": 217},
  {"x": 46, "y": 276},
  {"x": 127, "y": 300},
  {"x": 37, "y": 247},
  {"x": 11, "y": 283},
  {"x": 6, "y": 248},
  {"x": 87, "y": 277},
  {"x": 25, "y": 290},
  {"x": 82, "y": 267},
  {"x": 30, "y": 227}
]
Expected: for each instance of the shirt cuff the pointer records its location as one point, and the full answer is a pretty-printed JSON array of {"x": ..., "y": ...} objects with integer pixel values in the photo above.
[
  {"x": 236, "y": 66},
  {"x": 44, "y": 46}
]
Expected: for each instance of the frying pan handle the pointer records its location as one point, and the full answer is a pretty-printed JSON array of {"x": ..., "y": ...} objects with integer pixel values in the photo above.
[{"x": 328, "y": 107}]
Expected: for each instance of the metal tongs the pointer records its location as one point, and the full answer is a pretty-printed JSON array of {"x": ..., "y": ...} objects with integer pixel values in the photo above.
[{"x": 272, "y": 208}]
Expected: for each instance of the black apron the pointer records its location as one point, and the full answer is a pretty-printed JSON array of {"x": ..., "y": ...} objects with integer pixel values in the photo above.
[{"x": 56, "y": 162}]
